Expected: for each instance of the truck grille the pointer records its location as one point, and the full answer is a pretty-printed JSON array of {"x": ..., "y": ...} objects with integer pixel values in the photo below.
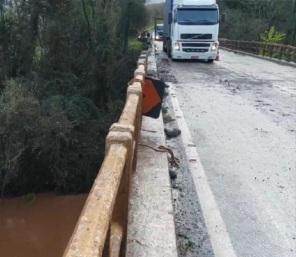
[
  {"x": 195, "y": 45},
  {"x": 196, "y": 36},
  {"x": 195, "y": 50}
]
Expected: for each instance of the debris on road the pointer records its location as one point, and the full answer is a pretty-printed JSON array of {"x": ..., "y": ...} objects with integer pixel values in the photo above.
[
  {"x": 173, "y": 173},
  {"x": 192, "y": 237},
  {"x": 241, "y": 113},
  {"x": 172, "y": 132}
]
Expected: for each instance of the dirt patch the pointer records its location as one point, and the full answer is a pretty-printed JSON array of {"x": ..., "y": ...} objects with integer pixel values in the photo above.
[
  {"x": 162, "y": 68},
  {"x": 191, "y": 231}
]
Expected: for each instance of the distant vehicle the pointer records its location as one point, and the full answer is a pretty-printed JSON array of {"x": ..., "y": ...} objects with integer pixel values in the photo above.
[
  {"x": 191, "y": 29},
  {"x": 145, "y": 36},
  {"x": 159, "y": 31}
]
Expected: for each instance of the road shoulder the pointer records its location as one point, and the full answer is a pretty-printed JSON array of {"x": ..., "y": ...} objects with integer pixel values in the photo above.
[{"x": 151, "y": 226}]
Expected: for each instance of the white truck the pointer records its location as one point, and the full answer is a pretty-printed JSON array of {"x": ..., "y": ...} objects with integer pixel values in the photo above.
[{"x": 191, "y": 29}]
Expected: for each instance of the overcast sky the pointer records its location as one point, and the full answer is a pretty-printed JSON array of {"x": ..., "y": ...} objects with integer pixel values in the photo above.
[{"x": 154, "y": 1}]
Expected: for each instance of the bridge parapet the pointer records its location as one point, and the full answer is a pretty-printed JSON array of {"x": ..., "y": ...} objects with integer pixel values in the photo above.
[
  {"x": 102, "y": 227},
  {"x": 276, "y": 51}
]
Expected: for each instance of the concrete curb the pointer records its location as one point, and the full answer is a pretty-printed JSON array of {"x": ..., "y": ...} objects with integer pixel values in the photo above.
[
  {"x": 283, "y": 62},
  {"x": 219, "y": 237},
  {"x": 151, "y": 227}
]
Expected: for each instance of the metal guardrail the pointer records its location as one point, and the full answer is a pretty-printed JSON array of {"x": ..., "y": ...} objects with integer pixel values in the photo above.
[
  {"x": 102, "y": 226},
  {"x": 277, "y": 51}
]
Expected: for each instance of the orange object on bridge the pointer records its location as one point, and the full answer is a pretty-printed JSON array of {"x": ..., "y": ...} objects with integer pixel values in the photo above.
[{"x": 153, "y": 91}]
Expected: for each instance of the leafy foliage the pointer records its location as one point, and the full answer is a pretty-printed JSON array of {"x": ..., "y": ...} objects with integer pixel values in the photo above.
[
  {"x": 272, "y": 36},
  {"x": 64, "y": 67},
  {"x": 155, "y": 11},
  {"x": 248, "y": 19}
]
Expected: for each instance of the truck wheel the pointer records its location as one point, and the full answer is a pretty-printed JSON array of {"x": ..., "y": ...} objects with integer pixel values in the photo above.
[
  {"x": 164, "y": 48},
  {"x": 168, "y": 49},
  {"x": 210, "y": 60},
  {"x": 169, "y": 52}
]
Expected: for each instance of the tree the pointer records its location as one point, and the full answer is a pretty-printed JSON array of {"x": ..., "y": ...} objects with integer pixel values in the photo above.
[
  {"x": 248, "y": 19},
  {"x": 64, "y": 68},
  {"x": 272, "y": 36}
]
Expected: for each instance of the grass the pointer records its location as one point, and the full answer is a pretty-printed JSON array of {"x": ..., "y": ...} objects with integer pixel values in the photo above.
[{"x": 134, "y": 44}]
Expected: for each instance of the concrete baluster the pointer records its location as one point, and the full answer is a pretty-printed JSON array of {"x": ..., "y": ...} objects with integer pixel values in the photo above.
[{"x": 121, "y": 134}]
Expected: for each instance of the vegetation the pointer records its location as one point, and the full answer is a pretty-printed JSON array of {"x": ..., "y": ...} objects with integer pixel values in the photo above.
[
  {"x": 64, "y": 67},
  {"x": 154, "y": 11},
  {"x": 251, "y": 19},
  {"x": 272, "y": 36},
  {"x": 248, "y": 19}
]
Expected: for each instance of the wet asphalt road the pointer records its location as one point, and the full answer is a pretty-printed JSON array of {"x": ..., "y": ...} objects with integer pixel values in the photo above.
[{"x": 241, "y": 112}]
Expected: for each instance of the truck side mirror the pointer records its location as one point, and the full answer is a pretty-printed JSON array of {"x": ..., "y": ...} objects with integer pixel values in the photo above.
[{"x": 170, "y": 18}]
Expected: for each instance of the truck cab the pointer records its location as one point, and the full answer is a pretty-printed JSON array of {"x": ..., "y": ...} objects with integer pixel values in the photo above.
[
  {"x": 159, "y": 31},
  {"x": 191, "y": 29}
]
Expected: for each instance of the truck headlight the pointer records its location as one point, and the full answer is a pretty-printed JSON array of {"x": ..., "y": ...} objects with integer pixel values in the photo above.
[
  {"x": 214, "y": 47},
  {"x": 157, "y": 37},
  {"x": 177, "y": 46}
]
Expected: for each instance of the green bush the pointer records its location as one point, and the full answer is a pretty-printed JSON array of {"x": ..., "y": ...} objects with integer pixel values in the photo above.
[
  {"x": 248, "y": 19},
  {"x": 272, "y": 36},
  {"x": 64, "y": 69},
  {"x": 54, "y": 145},
  {"x": 76, "y": 108}
]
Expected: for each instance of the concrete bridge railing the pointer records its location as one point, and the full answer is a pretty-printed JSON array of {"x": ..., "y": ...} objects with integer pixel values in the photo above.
[
  {"x": 102, "y": 227},
  {"x": 277, "y": 51}
]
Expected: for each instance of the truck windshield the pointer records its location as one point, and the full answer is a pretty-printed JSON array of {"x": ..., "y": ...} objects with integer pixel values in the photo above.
[
  {"x": 197, "y": 16},
  {"x": 159, "y": 27}
]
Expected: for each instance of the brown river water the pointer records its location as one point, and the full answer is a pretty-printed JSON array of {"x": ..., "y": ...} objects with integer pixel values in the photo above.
[{"x": 38, "y": 227}]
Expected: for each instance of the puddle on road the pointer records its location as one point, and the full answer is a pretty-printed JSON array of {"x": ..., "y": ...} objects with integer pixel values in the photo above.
[{"x": 38, "y": 228}]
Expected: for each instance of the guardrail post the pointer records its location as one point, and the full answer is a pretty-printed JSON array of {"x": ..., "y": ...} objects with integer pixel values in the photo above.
[
  {"x": 277, "y": 51},
  {"x": 271, "y": 50},
  {"x": 136, "y": 88},
  {"x": 257, "y": 48},
  {"x": 120, "y": 134},
  {"x": 290, "y": 54},
  {"x": 281, "y": 53},
  {"x": 264, "y": 49},
  {"x": 143, "y": 59},
  {"x": 139, "y": 73}
]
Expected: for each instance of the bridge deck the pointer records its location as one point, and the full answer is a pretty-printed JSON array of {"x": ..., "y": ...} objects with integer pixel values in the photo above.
[{"x": 151, "y": 230}]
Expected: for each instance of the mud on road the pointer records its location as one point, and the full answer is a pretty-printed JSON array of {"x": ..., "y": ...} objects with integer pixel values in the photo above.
[
  {"x": 191, "y": 232},
  {"x": 241, "y": 113}
]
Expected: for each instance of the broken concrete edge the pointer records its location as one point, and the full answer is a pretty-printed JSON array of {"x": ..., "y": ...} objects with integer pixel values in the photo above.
[
  {"x": 278, "y": 61},
  {"x": 151, "y": 224},
  {"x": 217, "y": 231}
]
